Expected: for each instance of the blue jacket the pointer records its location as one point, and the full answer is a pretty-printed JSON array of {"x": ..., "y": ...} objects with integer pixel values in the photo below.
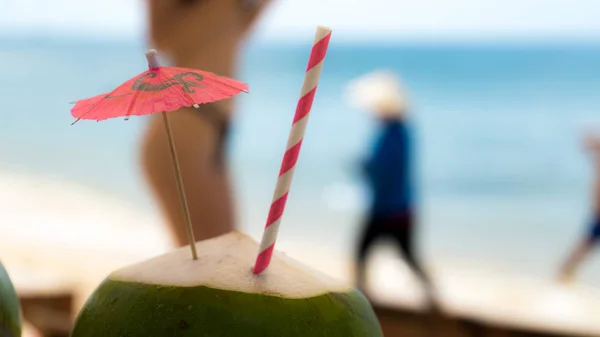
[{"x": 389, "y": 170}]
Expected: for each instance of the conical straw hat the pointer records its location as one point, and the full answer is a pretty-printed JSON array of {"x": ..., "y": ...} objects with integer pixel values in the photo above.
[{"x": 380, "y": 92}]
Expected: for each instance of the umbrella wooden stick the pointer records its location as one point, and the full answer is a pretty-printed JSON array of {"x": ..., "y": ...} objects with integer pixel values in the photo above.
[
  {"x": 183, "y": 199},
  {"x": 153, "y": 63}
]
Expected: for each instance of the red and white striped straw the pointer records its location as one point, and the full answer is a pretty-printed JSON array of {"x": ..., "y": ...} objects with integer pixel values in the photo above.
[{"x": 288, "y": 165}]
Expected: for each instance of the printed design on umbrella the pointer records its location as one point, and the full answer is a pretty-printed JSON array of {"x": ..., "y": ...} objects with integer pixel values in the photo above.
[{"x": 141, "y": 84}]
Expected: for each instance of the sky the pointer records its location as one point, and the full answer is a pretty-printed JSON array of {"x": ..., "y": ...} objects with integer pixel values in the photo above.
[{"x": 355, "y": 20}]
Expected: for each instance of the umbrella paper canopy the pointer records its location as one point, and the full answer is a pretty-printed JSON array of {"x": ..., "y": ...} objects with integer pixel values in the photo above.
[{"x": 157, "y": 90}]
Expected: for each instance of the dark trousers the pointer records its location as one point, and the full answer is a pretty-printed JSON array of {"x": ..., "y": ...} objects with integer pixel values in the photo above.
[{"x": 398, "y": 227}]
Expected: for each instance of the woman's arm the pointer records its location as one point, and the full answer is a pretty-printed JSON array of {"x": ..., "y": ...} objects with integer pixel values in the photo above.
[{"x": 207, "y": 185}]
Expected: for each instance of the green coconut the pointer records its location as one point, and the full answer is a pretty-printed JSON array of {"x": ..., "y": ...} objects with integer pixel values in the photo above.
[
  {"x": 10, "y": 309},
  {"x": 219, "y": 296}
]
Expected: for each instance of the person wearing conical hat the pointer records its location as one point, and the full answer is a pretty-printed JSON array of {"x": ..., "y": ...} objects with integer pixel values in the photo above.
[
  {"x": 592, "y": 237},
  {"x": 388, "y": 170}
]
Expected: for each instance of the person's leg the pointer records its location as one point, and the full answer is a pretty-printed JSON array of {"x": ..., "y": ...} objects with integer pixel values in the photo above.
[
  {"x": 403, "y": 234},
  {"x": 578, "y": 255},
  {"x": 370, "y": 233}
]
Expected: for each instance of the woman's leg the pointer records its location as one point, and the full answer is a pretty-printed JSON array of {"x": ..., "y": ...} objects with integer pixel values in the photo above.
[{"x": 207, "y": 185}]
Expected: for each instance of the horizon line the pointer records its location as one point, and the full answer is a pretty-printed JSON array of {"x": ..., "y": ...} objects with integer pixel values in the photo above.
[{"x": 296, "y": 40}]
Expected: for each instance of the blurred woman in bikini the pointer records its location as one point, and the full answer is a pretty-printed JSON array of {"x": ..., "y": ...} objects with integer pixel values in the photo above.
[{"x": 207, "y": 35}]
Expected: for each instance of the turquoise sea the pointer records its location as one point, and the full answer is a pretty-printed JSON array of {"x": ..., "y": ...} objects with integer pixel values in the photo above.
[{"x": 502, "y": 176}]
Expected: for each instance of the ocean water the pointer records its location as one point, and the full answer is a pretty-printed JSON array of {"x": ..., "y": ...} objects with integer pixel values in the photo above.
[{"x": 503, "y": 181}]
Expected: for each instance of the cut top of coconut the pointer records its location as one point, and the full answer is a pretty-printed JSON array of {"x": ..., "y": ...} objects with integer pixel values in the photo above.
[{"x": 225, "y": 262}]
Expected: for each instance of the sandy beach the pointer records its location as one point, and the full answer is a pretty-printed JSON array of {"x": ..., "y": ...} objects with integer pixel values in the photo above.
[{"x": 73, "y": 239}]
